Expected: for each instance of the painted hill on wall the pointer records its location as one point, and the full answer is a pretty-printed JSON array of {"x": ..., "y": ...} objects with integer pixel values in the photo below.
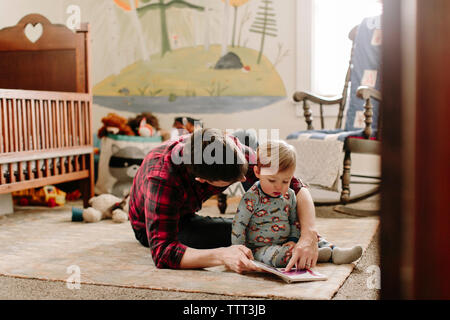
[{"x": 190, "y": 72}]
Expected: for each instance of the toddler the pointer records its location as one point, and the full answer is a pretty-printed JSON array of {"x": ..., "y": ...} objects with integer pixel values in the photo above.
[{"x": 266, "y": 219}]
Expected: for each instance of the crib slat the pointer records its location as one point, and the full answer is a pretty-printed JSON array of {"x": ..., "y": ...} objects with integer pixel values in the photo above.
[
  {"x": 77, "y": 132},
  {"x": 15, "y": 126},
  {"x": 12, "y": 177},
  {"x": 29, "y": 135},
  {"x": 22, "y": 132},
  {"x": 2, "y": 177},
  {"x": 10, "y": 124},
  {"x": 33, "y": 124},
  {"x": 41, "y": 125},
  {"x": 80, "y": 124},
  {"x": 30, "y": 172},
  {"x": 46, "y": 168},
  {"x": 89, "y": 127},
  {"x": 72, "y": 122},
  {"x": 4, "y": 140},
  {"x": 83, "y": 123},
  {"x": 52, "y": 106},
  {"x": 38, "y": 169},
  {"x": 58, "y": 124},
  {"x": 62, "y": 166},
  {"x": 26, "y": 122},
  {"x": 83, "y": 162},
  {"x": 69, "y": 123},
  {"x": 47, "y": 124},
  {"x": 50, "y": 125},
  {"x": 20, "y": 172},
  {"x": 66, "y": 123},
  {"x": 19, "y": 128},
  {"x": 77, "y": 123}
]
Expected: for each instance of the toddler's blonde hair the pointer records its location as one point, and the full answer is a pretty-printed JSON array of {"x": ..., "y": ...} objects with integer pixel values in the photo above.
[{"x": 276, "y": 154}]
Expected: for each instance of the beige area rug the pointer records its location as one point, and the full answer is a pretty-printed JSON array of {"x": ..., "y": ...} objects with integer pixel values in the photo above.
[{"x": 43, "y": 245}]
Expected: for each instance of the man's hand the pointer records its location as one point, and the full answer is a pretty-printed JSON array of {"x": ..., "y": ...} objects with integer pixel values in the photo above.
[
  {"x": 305, "y": 252},
  {"x": 237, "y": 258},
  {"x": 290, "y": 244}
]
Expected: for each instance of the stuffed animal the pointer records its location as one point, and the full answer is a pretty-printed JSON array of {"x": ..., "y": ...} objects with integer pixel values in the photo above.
[
  {"x": 146, "y": 130},
  {"x": 115, "y": 124},
  {"x": 106, "y": 206},
  {"x": 151, "y": 120}
]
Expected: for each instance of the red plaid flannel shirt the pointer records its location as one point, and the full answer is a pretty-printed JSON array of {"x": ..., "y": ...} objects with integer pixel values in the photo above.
[{"x": 163, "y": 192}]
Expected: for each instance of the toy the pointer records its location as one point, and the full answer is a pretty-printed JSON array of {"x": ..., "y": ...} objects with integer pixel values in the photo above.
[
  {"x": 150, "y": 119},
  {"x": 146, "y": 130},
  {"x": 184, "y": 125},
  {"x": 104, "y": 206},
  {"x": 136, "y": 124},
  {"x": 123, "y": 165},
  {"x": 74, "y": 195},
  {"x": 47, "y": 195},
  {"x": 113, "y": 123},
  {"x": 77, "y": 214},
  {"x": 187, "y": 123}
]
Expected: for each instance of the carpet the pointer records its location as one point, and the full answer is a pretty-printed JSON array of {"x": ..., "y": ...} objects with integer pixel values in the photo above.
[{"x": 47, "y": 244}]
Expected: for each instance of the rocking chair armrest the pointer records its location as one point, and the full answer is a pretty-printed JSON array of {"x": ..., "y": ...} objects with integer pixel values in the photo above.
[
  {"x": 365, "y": 93},
  {"x": 303, "y": 95}
]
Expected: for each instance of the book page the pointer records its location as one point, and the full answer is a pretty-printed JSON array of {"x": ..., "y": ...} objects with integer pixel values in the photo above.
[{"x": 293, "y": 275}]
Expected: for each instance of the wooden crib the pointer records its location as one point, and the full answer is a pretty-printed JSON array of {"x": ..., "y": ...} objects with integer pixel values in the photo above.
[{"x": 45, "y": 106}]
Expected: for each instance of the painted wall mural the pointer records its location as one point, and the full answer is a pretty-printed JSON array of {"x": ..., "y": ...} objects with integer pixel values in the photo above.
[{"x": 197, "y": 56}]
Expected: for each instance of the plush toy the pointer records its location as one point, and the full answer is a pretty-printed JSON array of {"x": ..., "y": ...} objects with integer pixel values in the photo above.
[
  {"x": 106, "y": 206},
  {"x": 115, "y": 124},
  {"x": 151, "y": 120},
  {"x": 146, "y": 130},
  {"x": 184, "y": 125},
  {"x": 187, "y": 123}
]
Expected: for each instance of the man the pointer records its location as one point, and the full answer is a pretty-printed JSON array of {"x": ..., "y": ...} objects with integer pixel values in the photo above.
[{"x": 172, "y": 183}]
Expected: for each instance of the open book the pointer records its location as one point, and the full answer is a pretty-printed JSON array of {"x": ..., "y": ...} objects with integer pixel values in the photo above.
[{"x": 293, "y": 275}]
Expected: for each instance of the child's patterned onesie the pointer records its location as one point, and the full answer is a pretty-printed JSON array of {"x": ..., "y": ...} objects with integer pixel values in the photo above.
[{"x": 264, "y": 223}]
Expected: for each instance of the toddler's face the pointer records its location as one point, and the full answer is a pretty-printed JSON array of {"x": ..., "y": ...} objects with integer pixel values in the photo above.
[{"x": 274, "y": 184}]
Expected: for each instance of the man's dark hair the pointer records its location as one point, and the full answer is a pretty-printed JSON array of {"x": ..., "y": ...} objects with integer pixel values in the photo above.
[{"x": 214, "y": 156}]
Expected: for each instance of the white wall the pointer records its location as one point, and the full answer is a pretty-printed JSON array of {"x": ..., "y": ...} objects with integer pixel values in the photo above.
[
  {"x": 280, "y": 115},
  {"x": 293, "y": 18},
  {"x": 12, "y": 11}
]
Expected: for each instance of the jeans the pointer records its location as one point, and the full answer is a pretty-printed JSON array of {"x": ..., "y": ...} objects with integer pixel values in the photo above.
[{"x": 198, "y": 232}]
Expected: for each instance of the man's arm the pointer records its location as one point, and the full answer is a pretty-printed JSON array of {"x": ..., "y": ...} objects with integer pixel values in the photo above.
[
  {"x": 162, "y": 222},
  {"x": 162, "y": 203},
  {"x": 236, "y": 258},
  {"x": 305, "y": 252}
]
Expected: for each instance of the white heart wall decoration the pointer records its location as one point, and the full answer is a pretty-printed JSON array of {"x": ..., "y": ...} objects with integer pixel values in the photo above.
[{"x": 33, "y": 32}]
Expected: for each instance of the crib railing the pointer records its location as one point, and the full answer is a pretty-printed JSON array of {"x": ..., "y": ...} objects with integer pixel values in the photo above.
[{"x": 45, "y": 138}]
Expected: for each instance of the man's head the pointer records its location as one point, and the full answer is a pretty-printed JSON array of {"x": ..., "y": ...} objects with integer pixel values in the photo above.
[{"x": 212, "y": 156}]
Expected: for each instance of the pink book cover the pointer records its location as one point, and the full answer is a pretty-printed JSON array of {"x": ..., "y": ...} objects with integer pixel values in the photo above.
[{"x": 294, "y": 275}]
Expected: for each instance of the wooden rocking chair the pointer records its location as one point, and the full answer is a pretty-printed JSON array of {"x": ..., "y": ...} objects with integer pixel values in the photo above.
[{"x": 363, "y": 99}]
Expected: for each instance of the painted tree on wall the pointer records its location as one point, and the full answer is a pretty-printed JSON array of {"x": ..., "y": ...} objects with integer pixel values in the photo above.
[
  {"x": 163, "y": 7},
  {"x": 235, "y": 4},
  {"x": 264, "y": 24}
]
